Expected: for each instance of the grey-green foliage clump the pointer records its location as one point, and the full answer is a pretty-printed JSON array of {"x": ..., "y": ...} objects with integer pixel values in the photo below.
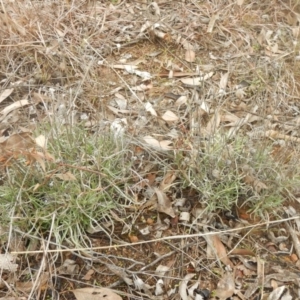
[
  {"x": 77, "y": 190},
  {"x": 231, "y": 172}
]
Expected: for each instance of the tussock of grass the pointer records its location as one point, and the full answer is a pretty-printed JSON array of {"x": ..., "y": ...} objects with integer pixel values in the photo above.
[
  {"x": 39, "y": 200},
  {"x": 236, "y": 172}
]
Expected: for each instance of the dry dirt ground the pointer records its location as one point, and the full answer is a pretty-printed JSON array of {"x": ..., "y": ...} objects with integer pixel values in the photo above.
[{"x": 170, "y": 75}]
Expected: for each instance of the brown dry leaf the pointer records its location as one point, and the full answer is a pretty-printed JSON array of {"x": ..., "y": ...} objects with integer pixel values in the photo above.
[
  {"x": 167, "y": 181},
  {"x": 186, "y": 44},
  {"x": 14, "y": 106},
  {"x": 213, "y": 123},
  {"x": 18, "y": 142},
  {"x": 169, "y": 116},
  {"x": 39, "y": 157},
  {"x": 133, "y": 238},
  {"x": 214, "y": 242},
  {"x": 190, "y": 55},
  {"x": 6, "y": 93},
  {"x": 162, "y": 145},
  {"x": 90, "y": 293},
  {"x": 24, "y": 286},
  {"x": 228, "y": 117},
  {"x": 40, "y": 98},
  {"x": 151, "y": 178},
  {"x": 245, "y": 271},
  {"x": 164, "y": 204},
  {"x": 259, "y": 185},
  {"x": 36, "y": 157},
  {"x": 69, "y": 267},
  {"x": 66, "y": 176},
  {"x": 255, "y": 183},
  {"x": 27, "y": 286},
  {"x": 88, "y": 275}
]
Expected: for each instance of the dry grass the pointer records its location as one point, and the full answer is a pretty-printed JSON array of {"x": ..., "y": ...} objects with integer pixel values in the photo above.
[{"x": 233, "y": 144}]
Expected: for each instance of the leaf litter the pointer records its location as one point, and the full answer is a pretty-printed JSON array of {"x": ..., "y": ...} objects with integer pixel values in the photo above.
[{"x": 217, "y": 47}]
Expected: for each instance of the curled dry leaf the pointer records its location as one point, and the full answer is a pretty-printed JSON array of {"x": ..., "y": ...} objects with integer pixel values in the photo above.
[
  {"x": 122, "y": 103},
  {"x": 41, "y": 141},
  {"x": 117, "y": 111},
  {"x": 143, "y": 74},
  {"x": 26, "y": 286},
  {"x": 169, "y": 116},
  {"x": 14, "y": 106},
  {"x": 280, "y": 293},
  {"x": 69, "y": 267},
  {"x": 164, "y": 204},
  {"x": 190, "y": 55},
  {"x": 142, "y": 286},
  {"x": 161, "y": 145},
  {"x": 120, "y": 272},
  {"x": 17, "y": 142},
  {"x": 90, "y": 293},
  {"x": 88, "y": 275},
  {"x": 213, "y": 124},
  {"x": 167, "y": 181},
  {"x": 243, "y": 252},
  {"x": 223, "y": 82},
  {"x": 68, "y": 176},
  {"x": 156, "y": 9},
  {"x": 161, "y": 270},
  {"x": 149, "y": 107},
  {"x": 214, "y": 242},
  {"x": 255, "y": 183},
  {"x": 6, "y": 93},
  {"x": 191, "y": 290},
  {"x": 133, "y": 238},
  {"x": 7, "y": 262},
  {"x": 183, "y": 286},
  {"x": 159, "y": 290},
  {"x": 181, "y": 100}
]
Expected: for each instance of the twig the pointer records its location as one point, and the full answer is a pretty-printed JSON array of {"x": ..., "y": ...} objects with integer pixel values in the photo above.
[{"x": 174, "y": 237}]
